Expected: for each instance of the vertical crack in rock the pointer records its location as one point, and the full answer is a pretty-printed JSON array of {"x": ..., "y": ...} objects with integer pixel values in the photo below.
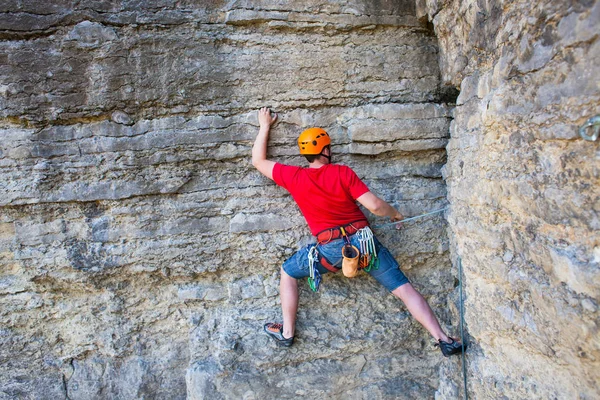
[{"x": 65, "y": 380}]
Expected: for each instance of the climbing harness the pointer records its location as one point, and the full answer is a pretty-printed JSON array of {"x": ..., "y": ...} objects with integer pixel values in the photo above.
[
  {"x": 314, "y": 280},
  {"x": 328, "y": 235},
  {"x": 368, "y": 252}
]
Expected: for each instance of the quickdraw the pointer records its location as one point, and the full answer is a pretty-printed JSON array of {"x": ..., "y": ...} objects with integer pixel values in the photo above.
[
  {"x": 314, "y": 280},
  {"x": 368, "y": 252}
]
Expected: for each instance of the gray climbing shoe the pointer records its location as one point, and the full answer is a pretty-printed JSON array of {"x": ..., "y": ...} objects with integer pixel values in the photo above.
[
  {"x": 276, "y": 332},
  {"x": 450, "y": 348}
]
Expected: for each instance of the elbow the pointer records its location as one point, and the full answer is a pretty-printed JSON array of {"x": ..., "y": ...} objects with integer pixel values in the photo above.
[
  {"x": 373, "y": 203},
  {"x": 256, "y": 161},
  {"x": 378, "y": 207},
  {"x": 379, "y": 212}
]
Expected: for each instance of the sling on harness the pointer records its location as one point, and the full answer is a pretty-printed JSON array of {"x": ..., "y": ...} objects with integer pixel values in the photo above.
[
  {"x": 314, "y": 280},
  {"x": 314, "y": 258}
]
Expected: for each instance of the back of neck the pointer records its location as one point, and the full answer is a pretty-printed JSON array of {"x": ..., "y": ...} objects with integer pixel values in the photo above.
[{"x": 317, "y": 164}]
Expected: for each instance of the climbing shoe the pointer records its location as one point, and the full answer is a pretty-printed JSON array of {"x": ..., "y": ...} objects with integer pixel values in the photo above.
[
  {"x": 276, "y": 332},
  {"x": 450, "y": 348}
]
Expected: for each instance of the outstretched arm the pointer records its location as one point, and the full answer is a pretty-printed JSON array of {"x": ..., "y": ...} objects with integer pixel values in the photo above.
[
  {"x": 379, "y": 207},
  {"x": 259, "y": 150}
]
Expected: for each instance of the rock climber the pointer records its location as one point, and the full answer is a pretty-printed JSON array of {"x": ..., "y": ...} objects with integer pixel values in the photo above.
[{"x": 326, "y": 194}]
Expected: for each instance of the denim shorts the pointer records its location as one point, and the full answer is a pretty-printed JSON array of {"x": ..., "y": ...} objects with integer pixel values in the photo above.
[{"x": 388, "y": 273}]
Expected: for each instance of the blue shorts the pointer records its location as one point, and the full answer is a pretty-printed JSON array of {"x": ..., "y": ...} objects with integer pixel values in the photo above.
[{"x": 388, "y": 273}]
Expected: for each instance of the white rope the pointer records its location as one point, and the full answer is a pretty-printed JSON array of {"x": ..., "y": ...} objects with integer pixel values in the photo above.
[
  {"x": 313, "y": 258},
  {"x": 366, "y": 240},
  {"x": 411, "y": 218}
]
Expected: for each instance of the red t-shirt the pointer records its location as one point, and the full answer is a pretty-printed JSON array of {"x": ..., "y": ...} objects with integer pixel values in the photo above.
[{"x": 326, "y": 196}]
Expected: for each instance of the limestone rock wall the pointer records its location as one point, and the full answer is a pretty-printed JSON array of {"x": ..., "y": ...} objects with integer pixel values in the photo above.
[
  {"x": 524, "y": 190},
  {"x": 139, "y": 249}
]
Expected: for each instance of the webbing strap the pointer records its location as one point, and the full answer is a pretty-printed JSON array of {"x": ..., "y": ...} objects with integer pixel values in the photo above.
[{"x": 324, "y": 262}]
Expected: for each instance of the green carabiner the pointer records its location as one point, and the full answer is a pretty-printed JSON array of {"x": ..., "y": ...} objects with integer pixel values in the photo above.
[
  {"x": 311, "y": 284},
  {"x": 374, "y": 264}
]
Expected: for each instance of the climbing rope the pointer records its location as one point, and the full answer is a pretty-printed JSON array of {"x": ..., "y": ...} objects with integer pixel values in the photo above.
[
  {"x": 411, "y": 218},
  {"x": 462, "y": 332},
  {"x": 367, "y": 247},
  {"x": 461, "y": 299}
]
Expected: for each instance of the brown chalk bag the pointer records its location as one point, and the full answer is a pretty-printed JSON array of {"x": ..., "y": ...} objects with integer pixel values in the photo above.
[{"x": 350, "y": 256}]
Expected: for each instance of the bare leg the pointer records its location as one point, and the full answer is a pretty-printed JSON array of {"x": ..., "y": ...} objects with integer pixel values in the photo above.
[
  {"x": 288, "y": 292},
  {"x": 419, "y": 309}
]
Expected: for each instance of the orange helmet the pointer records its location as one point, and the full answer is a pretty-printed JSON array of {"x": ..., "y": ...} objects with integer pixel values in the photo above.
[{"x": 312, "y": 141}]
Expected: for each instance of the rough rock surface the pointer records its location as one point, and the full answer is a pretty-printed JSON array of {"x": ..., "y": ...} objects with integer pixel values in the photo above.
[
  {"x": 139, "y": 249},
  {"x": 524, "y": 190}
]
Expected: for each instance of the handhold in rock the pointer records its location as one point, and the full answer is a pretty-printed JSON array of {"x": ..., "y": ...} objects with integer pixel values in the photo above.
[{"x": 122, "y": 118}]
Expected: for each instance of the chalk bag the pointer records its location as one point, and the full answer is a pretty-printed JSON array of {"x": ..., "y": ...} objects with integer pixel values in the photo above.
[{"x": 350, "y": 256}]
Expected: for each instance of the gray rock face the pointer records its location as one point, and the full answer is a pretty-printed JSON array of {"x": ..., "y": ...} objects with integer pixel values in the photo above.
[
  {"x": 524, "y": 189},
  {"x": 149, "y": 61},
  {"x": 139, "y": 248}
]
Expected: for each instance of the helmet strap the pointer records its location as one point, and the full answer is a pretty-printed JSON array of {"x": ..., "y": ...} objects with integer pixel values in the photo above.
[{"x": 325, "y": 155}]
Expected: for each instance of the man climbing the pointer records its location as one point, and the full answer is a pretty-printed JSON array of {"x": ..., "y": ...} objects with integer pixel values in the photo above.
[{"x": 326, "y": 194}]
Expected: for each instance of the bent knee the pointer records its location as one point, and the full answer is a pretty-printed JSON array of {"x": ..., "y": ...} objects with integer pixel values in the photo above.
[{"x": 405, "y": 290}]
